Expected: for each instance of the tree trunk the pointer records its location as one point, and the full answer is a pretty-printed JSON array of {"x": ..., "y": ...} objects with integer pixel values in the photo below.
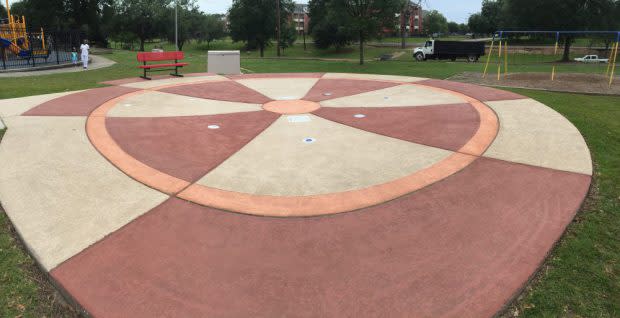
[
  {"x": 262, "y": 49},
  {"x": 142, "y": 44},
  {"x": 208, "y": 45},
  {"x": 403, "y": 29},
  {"x": 567, "y": 44},
  {"x": 361, "y": 49}
]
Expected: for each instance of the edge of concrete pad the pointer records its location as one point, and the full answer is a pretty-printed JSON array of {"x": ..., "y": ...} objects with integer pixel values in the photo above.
[
  {"x": 66, "y": 297},
  {"x": 2, "y": 125},
  {"x": 545, "y": 260}
]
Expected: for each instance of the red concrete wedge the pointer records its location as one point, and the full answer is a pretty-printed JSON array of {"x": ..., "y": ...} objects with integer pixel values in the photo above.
[
  {"x": 481, "y": 93},
  {"x": 443, "y": 126},
  {"x": 459, "y": 248},
  {"x": 228, "y": 91},
  {"x": 187, "y": 147},
  {"x": 78, "y": 104},
  {"x": 334, "y": 88}
]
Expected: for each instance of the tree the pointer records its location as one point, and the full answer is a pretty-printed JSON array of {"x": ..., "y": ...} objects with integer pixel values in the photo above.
[
  {"x": 254, "y": 21},
  {"x": 144, "y": 18},
  {"x": 212, "y": 28},
  {"x": 489, "y": 19},
  {"x": 189, "y": 22},
  {"x": 364, "y": 18},
  {"x": 562, "y": 15},
  {"x": 41, "y": 13},
  {"x": 453, "y": 27},
  {"x": 288, "y": 34},
  {"x": 435, "y": 22},
  {"x": 3, "y": 12},
  {"x": 326, "y": 31}
]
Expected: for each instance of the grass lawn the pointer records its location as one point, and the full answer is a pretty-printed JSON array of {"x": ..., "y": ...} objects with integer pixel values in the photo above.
[
  {"x": 296, "y": 60},
  {"x": 581, "y": 277}
]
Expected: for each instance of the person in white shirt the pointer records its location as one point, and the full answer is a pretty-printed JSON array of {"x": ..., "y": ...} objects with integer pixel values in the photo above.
[{"x": 84, "y": 54}]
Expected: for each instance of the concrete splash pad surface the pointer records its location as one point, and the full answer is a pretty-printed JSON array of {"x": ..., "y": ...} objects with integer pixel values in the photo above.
[{"x": 395, "y": 196}]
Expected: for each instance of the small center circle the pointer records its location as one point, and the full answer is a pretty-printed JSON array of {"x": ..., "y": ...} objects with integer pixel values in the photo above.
[{"x": 291, "y": 106}]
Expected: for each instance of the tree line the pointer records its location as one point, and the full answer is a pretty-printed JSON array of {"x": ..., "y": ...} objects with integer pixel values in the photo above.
[
  {"x": 122, "y": 20},
  {"x": 548, "y": 15}
]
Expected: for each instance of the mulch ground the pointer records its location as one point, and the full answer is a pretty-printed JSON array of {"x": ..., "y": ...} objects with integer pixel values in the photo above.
[{"x": 567, "y": 82}]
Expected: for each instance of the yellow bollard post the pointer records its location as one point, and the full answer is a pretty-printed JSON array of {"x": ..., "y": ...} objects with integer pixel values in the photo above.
[
  {"x": 611, "y": 58},
  {"x": 499, "y": 60},
  {"x": 555, "y": 53},
  {"x": 505, "y": 58},
  {"x": 486, "y": 66},
  {"x": 613, "y": 67}
]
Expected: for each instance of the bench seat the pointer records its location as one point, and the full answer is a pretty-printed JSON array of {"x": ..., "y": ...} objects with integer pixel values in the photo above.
[
  {"x": 163, "y": 65},
  {"x": 169, "y": 57}
]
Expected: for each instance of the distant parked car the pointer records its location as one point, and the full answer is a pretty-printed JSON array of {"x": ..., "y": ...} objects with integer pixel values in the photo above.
[{"x": 591, "y": 59}]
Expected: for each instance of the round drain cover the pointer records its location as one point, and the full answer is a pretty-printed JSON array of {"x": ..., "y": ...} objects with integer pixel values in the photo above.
[{"x": 309, "y": 140}]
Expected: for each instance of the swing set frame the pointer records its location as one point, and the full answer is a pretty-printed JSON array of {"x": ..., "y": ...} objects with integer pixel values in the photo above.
[{"x": 503, "y": 41}]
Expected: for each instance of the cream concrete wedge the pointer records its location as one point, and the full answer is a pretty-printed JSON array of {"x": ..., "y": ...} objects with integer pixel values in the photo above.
[
  {"x": 307, "y": 155},
  {"x": 159, "y": 104},
  {"x": 376, "y": 77},
  {"x": 61, "y": 194},
  {"x": 397, "y": 96},
  {"x": 534, "y": 134},
  {"x": 281, "y": 88}
]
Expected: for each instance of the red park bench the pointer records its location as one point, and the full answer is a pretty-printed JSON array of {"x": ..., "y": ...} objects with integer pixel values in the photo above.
[{"x": 175, "y": 56}]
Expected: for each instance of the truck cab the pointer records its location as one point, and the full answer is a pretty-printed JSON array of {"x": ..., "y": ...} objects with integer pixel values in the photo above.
[{"x": 421, "y": 53}]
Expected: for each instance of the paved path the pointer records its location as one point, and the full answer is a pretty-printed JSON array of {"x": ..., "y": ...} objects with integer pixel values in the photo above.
[
  {"x": 96, "y": 62},
  {"x": 301, "y": 195}
]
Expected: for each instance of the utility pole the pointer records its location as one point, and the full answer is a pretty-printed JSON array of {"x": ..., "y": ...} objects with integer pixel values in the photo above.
[
  {"x": 278, "y": 26},
  {"x": 176, "y": 24}
]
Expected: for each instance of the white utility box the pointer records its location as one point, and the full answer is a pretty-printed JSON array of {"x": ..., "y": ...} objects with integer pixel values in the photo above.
[{"x": 224, "y": 62}]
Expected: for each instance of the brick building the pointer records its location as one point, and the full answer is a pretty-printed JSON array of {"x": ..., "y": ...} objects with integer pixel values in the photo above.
[
  {"x": 416, "y": 19},
  {"x": 300, "y": 18}
]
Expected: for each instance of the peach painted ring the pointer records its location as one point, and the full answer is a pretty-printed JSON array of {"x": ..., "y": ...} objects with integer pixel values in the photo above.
[{"x": 292, "y": 206}]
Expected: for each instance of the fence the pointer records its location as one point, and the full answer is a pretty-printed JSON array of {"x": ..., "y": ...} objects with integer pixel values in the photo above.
[{"x": 22, "y": 48}]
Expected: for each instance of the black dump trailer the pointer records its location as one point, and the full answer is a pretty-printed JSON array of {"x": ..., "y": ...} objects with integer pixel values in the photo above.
[{"x": 452, "y": 50}]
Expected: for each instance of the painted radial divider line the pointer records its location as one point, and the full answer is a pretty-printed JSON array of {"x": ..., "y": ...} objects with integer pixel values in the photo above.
[{"x": 287, "y": 206}]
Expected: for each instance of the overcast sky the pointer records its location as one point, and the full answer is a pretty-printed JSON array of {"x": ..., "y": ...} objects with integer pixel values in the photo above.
[{"x": 454, "y": 10}]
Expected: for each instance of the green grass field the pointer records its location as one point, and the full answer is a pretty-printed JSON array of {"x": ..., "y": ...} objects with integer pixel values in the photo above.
[{"x": 581, "y": 277}]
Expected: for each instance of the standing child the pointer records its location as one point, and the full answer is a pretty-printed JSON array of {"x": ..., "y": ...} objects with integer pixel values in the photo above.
[
  {"x": 74, "y": 56},
  {"x": 84, "y": 48}
]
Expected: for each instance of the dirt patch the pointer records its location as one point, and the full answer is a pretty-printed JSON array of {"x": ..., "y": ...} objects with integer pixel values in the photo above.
[{"x": 564, "y": 82}]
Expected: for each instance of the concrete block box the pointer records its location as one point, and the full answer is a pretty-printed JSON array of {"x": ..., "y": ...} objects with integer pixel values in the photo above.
[{"x": 224, "y": 62}]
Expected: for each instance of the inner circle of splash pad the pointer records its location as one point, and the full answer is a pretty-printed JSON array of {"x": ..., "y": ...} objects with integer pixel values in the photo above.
[{"x": 291, "y": 106}]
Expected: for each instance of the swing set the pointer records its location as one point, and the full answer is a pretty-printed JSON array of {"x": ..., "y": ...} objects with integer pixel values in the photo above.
[{"x": 502, "y": 50}]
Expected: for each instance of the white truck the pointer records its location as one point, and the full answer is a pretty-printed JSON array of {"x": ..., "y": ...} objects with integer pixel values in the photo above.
[
  {"x": 443, "y": 50},
  {"x": 591, "y": 59}
]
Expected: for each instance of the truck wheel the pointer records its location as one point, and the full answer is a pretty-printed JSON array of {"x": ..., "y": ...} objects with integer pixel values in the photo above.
[
  {"x": 419, "y": 57},
  {"x": 472, "y": 58}
]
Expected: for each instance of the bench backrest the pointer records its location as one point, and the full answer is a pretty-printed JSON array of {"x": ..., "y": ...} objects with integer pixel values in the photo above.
[{"x": 160, "y": 56}]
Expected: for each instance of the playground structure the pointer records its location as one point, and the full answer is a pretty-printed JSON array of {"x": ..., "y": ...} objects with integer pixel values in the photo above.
[
  {"x": 15, "y": 37},
  {"x": 502, "y": 55}
]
